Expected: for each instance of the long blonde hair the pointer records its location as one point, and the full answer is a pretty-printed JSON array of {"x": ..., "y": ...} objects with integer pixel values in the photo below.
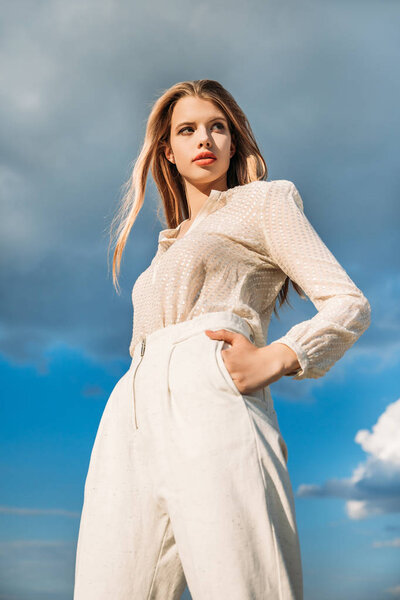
[{"x": 246, "y": 165}]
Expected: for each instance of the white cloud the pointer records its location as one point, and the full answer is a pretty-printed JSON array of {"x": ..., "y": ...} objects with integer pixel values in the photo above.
[
  {"x": 14, "y": 510},
  {"x": 391, "y": 543},
  {"x": 374, "y": 487},
  {"x": 383, "y": 443}
]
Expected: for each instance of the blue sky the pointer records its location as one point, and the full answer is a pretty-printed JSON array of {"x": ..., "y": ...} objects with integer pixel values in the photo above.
[{"x": 318, "y": 83}]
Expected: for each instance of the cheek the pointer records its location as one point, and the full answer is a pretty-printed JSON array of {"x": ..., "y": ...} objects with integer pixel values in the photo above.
[
  {"x": 224, "y": 160},
  {"x": 225, "y": 151},
  {"x": 183, "y": 157}
]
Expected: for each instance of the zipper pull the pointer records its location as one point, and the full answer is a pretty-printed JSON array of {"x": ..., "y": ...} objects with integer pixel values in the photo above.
[{"x": 143, "y": 346}]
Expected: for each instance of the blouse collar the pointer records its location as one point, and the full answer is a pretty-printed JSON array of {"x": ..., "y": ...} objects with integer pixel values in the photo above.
[{"x": 167, "y": 236}]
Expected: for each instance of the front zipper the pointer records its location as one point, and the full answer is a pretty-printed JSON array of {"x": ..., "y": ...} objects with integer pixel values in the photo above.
[{"x": 142, "y": 349}]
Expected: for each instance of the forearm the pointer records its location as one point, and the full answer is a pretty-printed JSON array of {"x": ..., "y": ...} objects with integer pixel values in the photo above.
[{"x": 344, "y": 313}]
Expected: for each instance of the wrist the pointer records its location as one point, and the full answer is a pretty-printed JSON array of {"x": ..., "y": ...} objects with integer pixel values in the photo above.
[{"x": 287, "y": 358}]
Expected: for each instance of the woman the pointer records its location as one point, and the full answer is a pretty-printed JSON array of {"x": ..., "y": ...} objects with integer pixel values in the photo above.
[{"x": 188, "y": 479}]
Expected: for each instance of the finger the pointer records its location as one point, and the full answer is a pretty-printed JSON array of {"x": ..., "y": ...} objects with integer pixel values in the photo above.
[{"x": 221, "y": 334}]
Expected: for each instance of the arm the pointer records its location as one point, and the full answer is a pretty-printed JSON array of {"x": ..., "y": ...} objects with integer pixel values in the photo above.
[{"x": 344, "y": 313}]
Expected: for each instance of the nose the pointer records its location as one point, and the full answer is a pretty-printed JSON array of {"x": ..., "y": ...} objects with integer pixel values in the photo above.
[
  {"x": 205, "y": 143},
  {"x": 205, "y": 139}
]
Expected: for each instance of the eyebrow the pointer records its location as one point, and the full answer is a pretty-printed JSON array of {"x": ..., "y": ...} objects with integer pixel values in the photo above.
[{"x": 192, "y": 122}]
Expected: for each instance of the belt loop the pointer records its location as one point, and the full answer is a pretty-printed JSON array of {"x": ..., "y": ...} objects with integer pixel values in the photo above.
[{"x": 250, "y": 332}]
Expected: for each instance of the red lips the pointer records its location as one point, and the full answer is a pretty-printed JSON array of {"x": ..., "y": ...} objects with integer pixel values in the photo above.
[{"x": 205, "y": 155}]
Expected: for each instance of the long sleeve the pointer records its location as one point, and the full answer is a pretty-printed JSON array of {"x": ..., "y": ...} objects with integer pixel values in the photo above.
[{"x": 344, "y": 313}]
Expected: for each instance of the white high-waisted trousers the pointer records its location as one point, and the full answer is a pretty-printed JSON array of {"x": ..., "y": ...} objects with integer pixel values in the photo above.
[{"x": 188, "y": 481}]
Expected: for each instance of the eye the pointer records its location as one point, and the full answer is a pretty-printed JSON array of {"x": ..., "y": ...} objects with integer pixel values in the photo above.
[
  {"x": 184, "y": 128},
  {"x": 188, "y": 127}
]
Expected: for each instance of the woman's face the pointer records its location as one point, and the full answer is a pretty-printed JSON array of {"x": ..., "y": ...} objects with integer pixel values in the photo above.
[{"x": 198, "y": 125}]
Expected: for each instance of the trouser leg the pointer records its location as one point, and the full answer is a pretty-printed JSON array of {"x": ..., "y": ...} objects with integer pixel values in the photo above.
[
  {"x": 230, "y": 498},
  {"x": 126, "y": 546}
]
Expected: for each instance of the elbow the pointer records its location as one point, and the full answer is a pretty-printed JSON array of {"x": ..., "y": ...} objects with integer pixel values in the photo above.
[
  {"x": 367, "y": 311},
  {"x": 364, "y": 312}
]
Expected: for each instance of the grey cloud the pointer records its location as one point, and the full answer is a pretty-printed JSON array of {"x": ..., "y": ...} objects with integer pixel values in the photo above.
[
  {"x": 78, "y": 86},
  {"x": 37, "y": 569}
]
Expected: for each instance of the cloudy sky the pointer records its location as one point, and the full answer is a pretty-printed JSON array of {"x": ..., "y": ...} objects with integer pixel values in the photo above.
[{"x": 318, "y": 82}]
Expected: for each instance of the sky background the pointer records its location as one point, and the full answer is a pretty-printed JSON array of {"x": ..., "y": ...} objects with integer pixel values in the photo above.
[{"x": 319, "y": 84}]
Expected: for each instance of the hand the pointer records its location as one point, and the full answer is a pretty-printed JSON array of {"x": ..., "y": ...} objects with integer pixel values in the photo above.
[{"x": 251, "y": 367}]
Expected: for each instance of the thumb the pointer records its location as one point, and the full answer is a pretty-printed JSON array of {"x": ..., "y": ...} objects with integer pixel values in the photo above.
[{"x": 221, "y": 334}]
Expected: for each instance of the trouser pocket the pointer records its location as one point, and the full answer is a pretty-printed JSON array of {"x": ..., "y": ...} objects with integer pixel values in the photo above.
[
  {"x": 222, "y": 369},
  {"x": 254, "y": 401},
  {"x": 196, "y": 367}
]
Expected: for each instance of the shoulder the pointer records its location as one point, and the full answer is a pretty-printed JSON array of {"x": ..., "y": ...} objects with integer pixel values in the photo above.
[{"x": 276, "y": 190}]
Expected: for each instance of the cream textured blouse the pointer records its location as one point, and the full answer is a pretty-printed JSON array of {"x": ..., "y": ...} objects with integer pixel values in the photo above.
[{"x": 235, "y": 256}]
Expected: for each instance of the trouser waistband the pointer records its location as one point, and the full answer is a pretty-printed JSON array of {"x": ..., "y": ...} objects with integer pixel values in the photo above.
[{"x": 178, "y": 331}]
